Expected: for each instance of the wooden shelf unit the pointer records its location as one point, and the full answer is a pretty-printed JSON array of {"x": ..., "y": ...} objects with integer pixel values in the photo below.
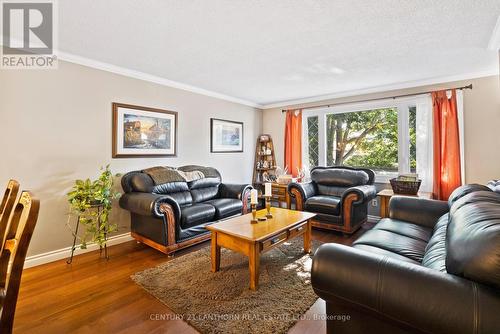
[
  {"x": 279, "y": 191},
  {"x": 264, "y": 154}
]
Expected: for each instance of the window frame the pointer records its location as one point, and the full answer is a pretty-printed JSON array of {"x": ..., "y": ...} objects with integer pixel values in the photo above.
[{"x": 402, "y": 106}]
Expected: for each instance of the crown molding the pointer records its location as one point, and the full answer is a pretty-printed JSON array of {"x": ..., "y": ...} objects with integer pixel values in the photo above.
[
  {"x": 494, "y": 43},
  {"x": 380, "y": 89},
  {"x": 65, "y": 56},
  {"x": 92, "y": 63},
  {"x": 88, "y": 62}
]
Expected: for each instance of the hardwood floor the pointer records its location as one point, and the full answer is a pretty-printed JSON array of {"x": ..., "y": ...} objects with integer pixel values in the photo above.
[{"x": 96, "y": 296}]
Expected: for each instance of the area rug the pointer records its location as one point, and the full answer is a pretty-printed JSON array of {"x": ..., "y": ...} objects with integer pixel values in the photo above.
[{"x": 222, "y": 302}]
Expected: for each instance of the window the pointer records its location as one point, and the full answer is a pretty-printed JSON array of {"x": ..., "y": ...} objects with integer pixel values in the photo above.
[
  {"x": 380, "y": 135},
  {"x": 312, "y": 130}
]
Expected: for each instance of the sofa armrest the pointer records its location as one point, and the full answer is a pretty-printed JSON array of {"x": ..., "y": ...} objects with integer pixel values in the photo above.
[
  {"x": 415, "y": 210},
  {"x": 147, "y": 204},
  {"x": 238, "y": 191},
  {"x": 301, "y": 192},
  {"x": 425, "y": 299},
  {"x": 365, "y": 193}
]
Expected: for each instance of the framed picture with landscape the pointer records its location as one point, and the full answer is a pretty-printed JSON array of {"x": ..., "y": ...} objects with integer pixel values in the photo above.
[
  {"x": 225, "y": 136},
  {"x": 143, "y": 132}
]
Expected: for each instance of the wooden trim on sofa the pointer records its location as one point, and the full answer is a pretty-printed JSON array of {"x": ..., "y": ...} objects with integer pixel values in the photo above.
[
  {"x": 168, "y": 212},
  {"x": 334, "y": 227},
  {"x": 172, "y": 245},
  {"x": 170, "y": 248},
  {"x": 346, "y": 216},
  {"x": 299, "y": 201},
  {"x": 347, "y": 210}
]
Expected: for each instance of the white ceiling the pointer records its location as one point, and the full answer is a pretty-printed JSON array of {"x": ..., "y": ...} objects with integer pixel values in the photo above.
[{"x": 271, "y": 51}]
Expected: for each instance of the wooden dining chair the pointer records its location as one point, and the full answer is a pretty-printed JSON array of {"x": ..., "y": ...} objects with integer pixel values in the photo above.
[
  {"x": 6, "y": 205},
  {"x": 17, "y": 239}
]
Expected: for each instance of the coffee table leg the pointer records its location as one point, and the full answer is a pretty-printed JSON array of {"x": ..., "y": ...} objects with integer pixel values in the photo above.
[
  {"x": 215, "y": 253},
  {"x": 253, "y": 265},
  {"x": 307, "y": 237}
]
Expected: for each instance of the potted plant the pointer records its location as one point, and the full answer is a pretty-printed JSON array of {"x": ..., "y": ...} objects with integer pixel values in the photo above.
[{"x": 91, "y": 201}]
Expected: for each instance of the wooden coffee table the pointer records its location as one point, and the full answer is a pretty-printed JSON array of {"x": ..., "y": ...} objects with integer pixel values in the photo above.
[{"x": 239, "y": 235}]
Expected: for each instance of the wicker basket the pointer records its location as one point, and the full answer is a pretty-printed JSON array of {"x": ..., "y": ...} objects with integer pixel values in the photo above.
[{"x": 405, "y": 187}]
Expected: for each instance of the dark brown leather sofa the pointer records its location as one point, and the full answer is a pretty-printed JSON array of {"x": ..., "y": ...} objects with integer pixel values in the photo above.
[
  {"x": 338, "y": 195},
  {"x": 173, "y": 215},
  {"x": 432, "y": 267}
]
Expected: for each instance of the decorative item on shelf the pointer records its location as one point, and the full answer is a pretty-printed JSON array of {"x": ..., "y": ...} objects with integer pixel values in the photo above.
[
  {"x": 266, "y": 177},
  {"x": 264, "y": 138},
  {"x": 253, "y": 204},
  {"x": 91, "y": 202},
  {"x": 306, "y": 174},
  {"x": 286, "y": 179},
  {"x": 301, "y": 174},
  {"x": 407, "y": 184},
  {"x": 267, "y": 195},
  {"x": 265, "y": 162}
]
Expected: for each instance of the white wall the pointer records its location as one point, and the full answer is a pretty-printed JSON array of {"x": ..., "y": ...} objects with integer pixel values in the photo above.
[{"x": 57, "y": 128}]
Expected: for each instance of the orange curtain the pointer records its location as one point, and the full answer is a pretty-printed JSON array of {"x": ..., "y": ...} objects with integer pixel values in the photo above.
[
  {"x": 447, "y": 175},
  {"x": 293, "y": 141}
]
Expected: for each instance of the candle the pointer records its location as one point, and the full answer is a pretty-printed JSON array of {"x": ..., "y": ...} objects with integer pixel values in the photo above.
[
  {"x": 268, "y": 189},
  {"x": 253, "y": 196}
]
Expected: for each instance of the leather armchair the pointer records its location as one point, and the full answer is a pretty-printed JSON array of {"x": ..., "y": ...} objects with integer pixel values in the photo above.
[
  {"x": 338, "y": 195},
  {"x": 432, "y": 267},
  {"x": 173, "y": 215}
]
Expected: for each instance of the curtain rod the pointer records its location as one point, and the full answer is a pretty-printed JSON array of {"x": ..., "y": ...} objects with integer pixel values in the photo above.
[{"x": 376, "y": 99}]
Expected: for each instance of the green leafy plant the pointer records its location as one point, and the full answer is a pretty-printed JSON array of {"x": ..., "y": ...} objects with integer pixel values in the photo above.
[{"x": 92, "y": 202}]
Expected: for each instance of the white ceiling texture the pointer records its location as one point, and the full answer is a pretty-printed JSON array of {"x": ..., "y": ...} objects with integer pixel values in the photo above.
[{"x": 266, "y": 52}]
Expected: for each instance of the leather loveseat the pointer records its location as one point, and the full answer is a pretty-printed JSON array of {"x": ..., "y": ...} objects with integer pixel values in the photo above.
[
  {"x": 338, "y": 195},
  {"x": 172, "y": 215},
  {"x": 432, "y": 267}
]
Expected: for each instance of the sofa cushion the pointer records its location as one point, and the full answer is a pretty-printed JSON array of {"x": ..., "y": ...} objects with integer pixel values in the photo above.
[
  {"x": 204, "y": 189},
  {"x": 141, "y": 182},
  {"x": 204, "y": 194},
  {"x": 393, "y": 242},
  {"x": 404, "y": 228},
  {"x": 179, "y": 191},
  {"x": 330, "y": 190},
  {"x": 183, "y": 198},
  {"x": 323, "y": 204},
  {"x": 341, "y": 177},
  {"x": 206, "y": 182},
  {"x": 494, "y": 185},
  {"x": 380, "y": 251},
  {"x": 225, "y": 207},
  {"x": 170, "y": 187},
  {"x": 473, "y": 238},
  {"x": 465, "y": 190},
  {"x": 435, "y": 252},
  {"x": 196, "y": 214}
]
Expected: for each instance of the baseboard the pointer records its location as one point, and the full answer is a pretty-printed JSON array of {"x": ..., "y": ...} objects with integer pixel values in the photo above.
[
  {"x": 36, "y": 260},
  {"x": 373, "y": 219}
]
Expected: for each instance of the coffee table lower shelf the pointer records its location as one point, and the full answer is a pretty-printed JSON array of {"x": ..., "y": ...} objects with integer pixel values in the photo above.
[{"x": 253, "y": 248}]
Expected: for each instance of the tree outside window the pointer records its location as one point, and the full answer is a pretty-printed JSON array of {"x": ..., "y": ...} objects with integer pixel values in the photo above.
[{"x": 366, "y": 138}]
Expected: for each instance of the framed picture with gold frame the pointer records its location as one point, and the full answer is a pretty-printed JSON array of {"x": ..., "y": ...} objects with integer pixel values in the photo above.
[{"x": 143, "y": 131}]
